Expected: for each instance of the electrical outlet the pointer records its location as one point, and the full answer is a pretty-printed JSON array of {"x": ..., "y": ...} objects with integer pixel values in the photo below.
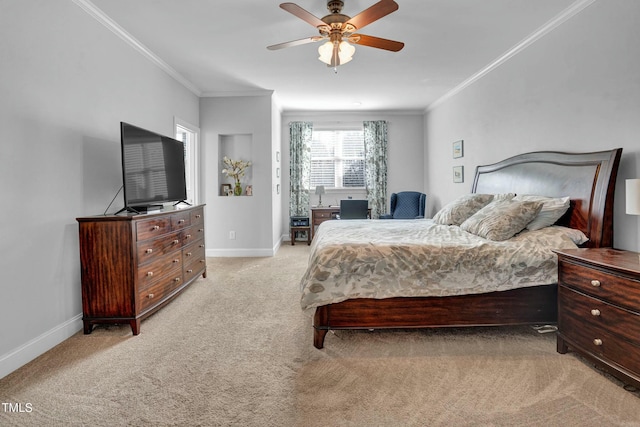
[{"x": 232, "y": 235}]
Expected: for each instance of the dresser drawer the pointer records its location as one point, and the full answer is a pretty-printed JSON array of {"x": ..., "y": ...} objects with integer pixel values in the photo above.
[
  {"x": 321, "y": 215},
  {"x": 152, "y": 249},
  {"x": 622, "y": 323},
  {"x": 160, "y": 290},
  {"x": 180, "y": 220},
  {"x": 193, "y": 251},
  {"x": 158, "y": 269},
  {"x": 152, "y": 227},
  {"x": 192, "y": 234},
  {"x": 592, "y": 339},
  {"x": 195, "y": 267},
  {"x": 612, "y": 288},
  {"x": 197, "y": 216}
]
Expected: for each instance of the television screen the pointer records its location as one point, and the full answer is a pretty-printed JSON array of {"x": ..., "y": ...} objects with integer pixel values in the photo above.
[{"x": 153, "y": 168}]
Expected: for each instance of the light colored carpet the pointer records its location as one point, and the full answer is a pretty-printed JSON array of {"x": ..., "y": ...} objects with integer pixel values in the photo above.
[{"x": 236, "y": 350}]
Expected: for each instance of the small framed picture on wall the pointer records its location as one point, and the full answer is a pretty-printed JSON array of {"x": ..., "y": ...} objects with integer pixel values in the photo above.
[
  {"x": 225, "y": 189},
  {"x": 458, "y": 149},
  {"x": 458, "y": 174}
]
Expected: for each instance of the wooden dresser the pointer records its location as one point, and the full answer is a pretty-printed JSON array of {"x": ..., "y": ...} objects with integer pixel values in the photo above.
[
  {"x": 599, "y": 309},
  {"x": 131, "y": 265}
]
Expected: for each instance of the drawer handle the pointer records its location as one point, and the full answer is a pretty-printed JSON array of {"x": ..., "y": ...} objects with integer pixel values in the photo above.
[
  {"x": 150, "y": 296},
  {"x": 181, "y": 221},
  {"x": 177, "y": 279},
  {"x": 597, "y": 341},
  {"x": 595, "y": 283},
  {"x": 188, "y": 254},
  {"x": 202, "y": 246},
  {"x": 149, "y": 273},
  {"x": 203, "y": 261},
  {"x": 595, "y": 312},
  {"x": 188, "y": 236},
  {"x": 200, "y": 230},
  {"x": 175, "y": 242},
  {"x": 149, "y": 251},
  {"x": 198, "y": 216},
  {"x": 156, "y": 227},
  {"x": 189, "y": 271},
  {"x": 175, "y": 261}
]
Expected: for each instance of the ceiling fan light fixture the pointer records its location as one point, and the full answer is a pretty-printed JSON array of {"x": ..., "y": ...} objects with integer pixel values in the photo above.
[
  {"x": 326, "y": 52},
  {"x": 345, "y": 53}
]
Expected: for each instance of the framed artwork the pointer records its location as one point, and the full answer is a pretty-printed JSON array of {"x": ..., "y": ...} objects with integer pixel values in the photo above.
[
  {"x": 225, "y": 189},
  {"x": 458, "y": 149},
  {"x": 458, "y": 174}
]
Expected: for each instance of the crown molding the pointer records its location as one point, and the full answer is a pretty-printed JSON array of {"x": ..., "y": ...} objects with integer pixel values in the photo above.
[
  {"x": 560, "y": 19},
  {"x": 105, "y": 20},
  {"x": 238, "y": 93}
]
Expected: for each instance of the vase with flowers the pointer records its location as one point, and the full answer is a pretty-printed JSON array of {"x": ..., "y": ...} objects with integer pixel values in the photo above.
[{"x": 235, "y": 169}]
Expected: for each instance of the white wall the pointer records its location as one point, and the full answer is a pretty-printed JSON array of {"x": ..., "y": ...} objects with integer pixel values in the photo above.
[
  {"x": 66, "y": 83},
  {"x": 277, "y": 171},
  {"x": 576, "y": 89},
  {"x": 251, "y": 218}
]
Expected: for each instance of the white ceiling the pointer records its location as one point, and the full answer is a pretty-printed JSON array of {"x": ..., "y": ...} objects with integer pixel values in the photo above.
[{"x": 219, "y": 47}]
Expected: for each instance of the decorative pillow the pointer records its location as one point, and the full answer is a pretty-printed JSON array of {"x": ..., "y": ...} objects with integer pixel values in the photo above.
[
  {"x": 552, "y": 210},
  {"x": 502, "y": 219},
  {"x": 456, "y": 212}
]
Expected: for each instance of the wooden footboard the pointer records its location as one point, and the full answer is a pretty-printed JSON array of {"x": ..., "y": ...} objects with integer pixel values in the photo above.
[{"x": 534, "y": 305}]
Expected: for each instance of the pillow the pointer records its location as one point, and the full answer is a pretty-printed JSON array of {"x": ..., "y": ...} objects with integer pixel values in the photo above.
[
  {"x": 456, "y": 212},
  {"x": 503, "y": 196},
  {"x": 577, "y": 236},
  {"x": 501, "y": 219},
  {"x": 552, "y": 210}
]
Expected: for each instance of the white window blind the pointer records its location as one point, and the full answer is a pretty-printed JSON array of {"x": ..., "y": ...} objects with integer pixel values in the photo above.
[{"x": 337, "y": 158}]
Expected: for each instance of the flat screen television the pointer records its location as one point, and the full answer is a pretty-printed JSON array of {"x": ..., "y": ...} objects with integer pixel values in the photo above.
[{"x": 152, "y": 167}]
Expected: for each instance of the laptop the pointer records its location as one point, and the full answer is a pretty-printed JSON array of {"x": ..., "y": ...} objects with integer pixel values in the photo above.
[{"x": 354, "y": 209}]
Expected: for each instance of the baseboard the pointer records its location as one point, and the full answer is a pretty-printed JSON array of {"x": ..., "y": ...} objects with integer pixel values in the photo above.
[
  {"x": 240, "y": 253},
  {"x": 24, "y": 354},
  {"x": 232, "y": 253}
]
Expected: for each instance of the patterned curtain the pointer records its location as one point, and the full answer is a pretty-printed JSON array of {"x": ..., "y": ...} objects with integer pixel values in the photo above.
[
  {"x": 375, "y": 159},
  {"x": 300, "y": 167}
]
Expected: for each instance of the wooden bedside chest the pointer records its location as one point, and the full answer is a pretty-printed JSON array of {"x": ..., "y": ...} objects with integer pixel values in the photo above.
[{"x": 599, "y": 309}]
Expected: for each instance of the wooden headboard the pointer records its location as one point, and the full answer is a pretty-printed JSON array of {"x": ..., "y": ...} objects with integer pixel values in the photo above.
[{"x": 589, "y": 179}]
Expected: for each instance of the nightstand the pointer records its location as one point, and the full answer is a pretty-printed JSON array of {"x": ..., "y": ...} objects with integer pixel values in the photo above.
[{"x": 599, "y": 309}]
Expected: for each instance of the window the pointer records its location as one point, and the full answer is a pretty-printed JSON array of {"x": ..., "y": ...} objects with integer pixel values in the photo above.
[
  {"x": 189, "y": 136},
  {"x": 337, "y": 158}
]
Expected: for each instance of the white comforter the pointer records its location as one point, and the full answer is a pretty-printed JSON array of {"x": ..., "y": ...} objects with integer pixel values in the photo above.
[{"x": 391, "y": 258}]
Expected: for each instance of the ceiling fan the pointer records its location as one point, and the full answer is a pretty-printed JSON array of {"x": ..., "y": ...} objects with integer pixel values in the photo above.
[{"x": 339, "y": 30}]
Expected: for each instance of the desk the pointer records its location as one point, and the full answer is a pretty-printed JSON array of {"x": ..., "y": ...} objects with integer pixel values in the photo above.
[{"x": 325, "y": 213}]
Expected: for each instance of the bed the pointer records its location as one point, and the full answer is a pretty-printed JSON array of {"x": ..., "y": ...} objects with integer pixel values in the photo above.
[{"x": 586, "y": 179}]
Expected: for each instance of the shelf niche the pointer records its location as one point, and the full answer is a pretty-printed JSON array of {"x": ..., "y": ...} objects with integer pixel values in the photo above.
[{"x": 236, "y": 147}]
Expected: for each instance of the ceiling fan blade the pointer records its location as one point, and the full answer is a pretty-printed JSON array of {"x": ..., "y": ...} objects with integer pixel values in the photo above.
[
  {"x": 295, "y": 43},
  {"x": 303, "y": 14},
  {"x": 373, "y": 13},
  {"x": 371, "y": 41}
]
